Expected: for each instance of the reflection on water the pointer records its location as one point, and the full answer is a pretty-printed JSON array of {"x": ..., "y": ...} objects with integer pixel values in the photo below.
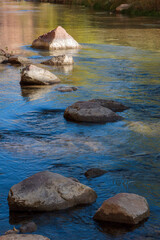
[{"x": 119, "y": 60}]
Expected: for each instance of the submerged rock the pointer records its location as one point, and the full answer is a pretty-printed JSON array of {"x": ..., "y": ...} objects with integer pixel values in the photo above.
[
  {"x": 55, "y": 39},
  {"x": 47, "y": 191},
  {"x": 94, "y": 172},
  {"x": 123, "y": 7},
  {"x": 87, "y": 111},
  {"x": 33, "y": 75},
  {"x": 66, "y": 89},
  {"x": 113, "y": 105},
  {"x": 127, "y": 208},
  {"x": 23, "y": 237},
  {"x": 59, "y": 60},
  {"x": 17, "y": 60},
  {"x": 28, "y": 227}
]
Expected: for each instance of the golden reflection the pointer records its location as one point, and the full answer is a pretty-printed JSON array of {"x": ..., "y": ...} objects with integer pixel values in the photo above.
[{"x": 151, "y": 129}]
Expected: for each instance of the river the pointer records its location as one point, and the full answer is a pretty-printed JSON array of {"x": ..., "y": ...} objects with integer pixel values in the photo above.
[{"x": 120, "y": 60}]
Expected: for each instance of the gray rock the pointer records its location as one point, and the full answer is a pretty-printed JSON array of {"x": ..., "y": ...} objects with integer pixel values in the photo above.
[
  {"x": 28, "y": 227},
  {"x": 47, "y": 191},
  {"x": 17, "y": 60},
  {"x": 113, "y": 105},
  {"x": 66, "y": 89},
  {"x": 23, "y": 237},
  {"x": 59, "y": 60},
  {"x": 127, "y": 208},
  {"x": 55, "y": 39},
  {"x": 94, "y": 172},
  {"x": 33, "y": 75},
  {"x": 87, "y": 111}
]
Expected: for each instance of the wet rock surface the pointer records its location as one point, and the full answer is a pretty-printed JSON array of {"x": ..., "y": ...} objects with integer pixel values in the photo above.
[
  {"x": 47, "y": 191},
  {"x": 28, "y": 227},
  {"x": 126, "y": 208},
  {"x": 113, "y": 105},
  {"x": 94, "y": 172},
  {"x": 23, "y": 237},
  {"x": 90, "y": 111},
  {"x": 55, "y": 39},
  {"x": 33, "y": 75},
  {"x": 66, "y": 89},
  {"x": 59, "y": 60},
  {"x": 17, "y": 60}
]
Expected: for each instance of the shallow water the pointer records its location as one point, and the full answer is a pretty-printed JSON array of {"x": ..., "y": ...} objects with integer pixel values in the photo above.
[{"x": 119, "y": 60}]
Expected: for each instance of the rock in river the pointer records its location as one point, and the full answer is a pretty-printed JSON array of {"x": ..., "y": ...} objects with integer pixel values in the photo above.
[
  {"x": 47, "y": 191},
  {"x": 66, "y": 89},
  {"x": 90, "y": 111},
  {"x": 28, "y": 227},
  {"x": 23, "y": 237},
  {"x": 94, "y": 172},
  {"x": 59, "y": 60},
  {"x": 113, "y": 105},
  {"x": 33, "y": 75},
  {"x": 55, "y": 39},
  {"x": 127, "y": 208},
  {"x": 17, "y": 60}
]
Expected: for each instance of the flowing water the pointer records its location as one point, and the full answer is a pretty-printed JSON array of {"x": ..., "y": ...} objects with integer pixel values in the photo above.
[{"x": 119, "y": 60}]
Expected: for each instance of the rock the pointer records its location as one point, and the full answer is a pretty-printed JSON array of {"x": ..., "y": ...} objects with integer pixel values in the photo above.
[
  {"x": 127, "y": 208},
  {"x": 17, "y": 60},
  {"x": 56, "y": 39},
  {"x": 33, "y": 75},
  {"x": 47, "y": 191},
  {"x": 94, "y": 172},
  {"x": 59, "y": 60},
  {"x": 12, "y": 231},
  {"x": 28, "y": 227},
  {"x": 113, "y": 105},
  {"x": 3, "y": 53},
  {"x": 23, "y": 237},
  {"x": 122, "y": 7},
  {"x": 3, "y": 58},
  {"x": 66, "y": 89},
  {"x": 86, "y": 111}
]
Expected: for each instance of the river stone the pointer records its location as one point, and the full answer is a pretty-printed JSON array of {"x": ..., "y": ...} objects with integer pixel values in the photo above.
[
  {"x": 113, "y": 105},
  {"x": 17, "y": 60},
  {"x": 127, "y": 208},
  {"x": 94, "y": 172},
  {"x": 123, "y": 7},
  {"x": 33, "y": 75},
  {"x": 59, "y": 60},
  {"x": 23, "y": 237},
  {"x": 47, "y": 191},
  {"x": 66, "y": 89},
  {"x": 55, "y": 39},
  {"x": 87, "y": 111},
  {"x": 28, "y": 227}
]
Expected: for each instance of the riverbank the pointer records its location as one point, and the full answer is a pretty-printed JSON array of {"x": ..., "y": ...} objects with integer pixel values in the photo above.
[{"x": 141, "y": 7}]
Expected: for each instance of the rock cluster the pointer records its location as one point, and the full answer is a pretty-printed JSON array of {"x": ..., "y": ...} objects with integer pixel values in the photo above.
[{"x": 60, "y": 60}]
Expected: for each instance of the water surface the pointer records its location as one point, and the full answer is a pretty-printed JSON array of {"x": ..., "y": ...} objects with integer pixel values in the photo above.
[{"x": 120, "y": 61}]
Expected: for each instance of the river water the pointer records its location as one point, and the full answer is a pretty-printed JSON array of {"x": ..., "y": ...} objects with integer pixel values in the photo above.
[{"x": 119, "y": 60}]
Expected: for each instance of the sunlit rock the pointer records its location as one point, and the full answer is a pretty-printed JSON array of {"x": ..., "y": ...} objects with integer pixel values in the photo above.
[
  {"x": 113, "y": 105},
  {"x": 123, "y": 7},
  {"x": 33, "y": 75},
  {"x": 87, "y": 111},
  {"x": 17, "y": 60},
  {"x": 59, "y": 60},
  {"x": 55, "y": 39},
  {"x": 127, "y": 208},
  {"x": 66, "y": 89},
  {"x": 47, "y": 191},
  {"x": 23, "y": 237}
]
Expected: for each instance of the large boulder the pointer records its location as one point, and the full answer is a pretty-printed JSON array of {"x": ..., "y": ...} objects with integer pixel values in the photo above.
[
  {"x": 87, "y": 111},
  {"x": 127, "y": 208},
  {"x": 23, "y": 237},
  {"x": 47, "y": 191},
  {"x": 55, "y": 39},
  {"x": 113, "y": 105},
  {"x": 33, "y": 75},
  {"x": 60, "y": 60}
]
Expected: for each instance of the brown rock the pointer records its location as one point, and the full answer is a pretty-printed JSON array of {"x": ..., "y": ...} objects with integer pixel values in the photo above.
[
  {"x": 28, "y": 227},
  {"x": 12, "y": 231},
  {"x": 17, "y": 60},
  {"x": 127, "y": 208},
  {"x": 56, "y": 39},
  {"x": 33, "y": 75},
  {"x": 94, "y": 172},
  {"x": 2, "y": 59},
  {"x": 59, "y": 60},
  {"x": 87, "y": 111},
  {"x": 113, "y": 105},
  {"x": 23, "y": 237},
  {"x": 47, "y": 191},
  {"x": 66, "y": 89}
]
